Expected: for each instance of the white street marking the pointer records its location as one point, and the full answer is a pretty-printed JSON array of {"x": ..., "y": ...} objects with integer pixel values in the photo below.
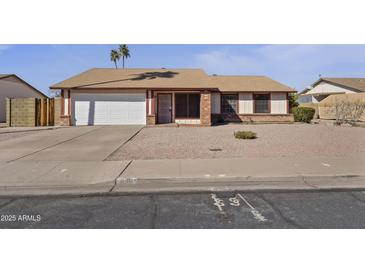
[
  {"x": 217, "y": 202},
  {"x": 221, "y": 175},
  {"x": 63, "y": 170},
  {"x": 325, "y": 164},
  {"x": 234, "y": 201},
  {"x": 256, "y": 214},
  {"x": 207, "y": 175}
]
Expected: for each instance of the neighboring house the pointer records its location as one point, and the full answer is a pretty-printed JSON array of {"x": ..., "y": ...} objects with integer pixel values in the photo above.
[
  {"x": 324, "y": 87},
  {"x": 11, "y": 86},
  {"x": 159, "y": 96}
]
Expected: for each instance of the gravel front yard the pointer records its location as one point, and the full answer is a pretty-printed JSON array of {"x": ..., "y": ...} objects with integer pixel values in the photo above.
[{"x": 299, "y": 140}]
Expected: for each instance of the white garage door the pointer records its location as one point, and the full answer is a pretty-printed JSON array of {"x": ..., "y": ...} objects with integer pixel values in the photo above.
[{"x": 108, "y": 109}]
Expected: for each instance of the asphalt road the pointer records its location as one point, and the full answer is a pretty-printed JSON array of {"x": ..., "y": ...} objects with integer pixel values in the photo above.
[{"x": 205, "y": 210}]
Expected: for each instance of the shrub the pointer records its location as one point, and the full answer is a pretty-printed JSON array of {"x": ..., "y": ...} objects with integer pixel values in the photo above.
[
  {"x": 303, "y": 114},
  {"x": 293, "y": 100},
  {"x": 245, "y": 135}
]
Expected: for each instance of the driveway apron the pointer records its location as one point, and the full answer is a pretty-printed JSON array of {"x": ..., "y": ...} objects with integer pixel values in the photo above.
[{"x": 96, "y": 145}]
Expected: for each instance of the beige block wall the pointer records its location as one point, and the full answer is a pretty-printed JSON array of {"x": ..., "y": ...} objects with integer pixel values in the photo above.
[
  {"x": 329, "y": 113},
  {"x": 57, "y": 111},
  {"x": 21, "y": 112},
  {"x": 326, "y": 108},
  {"x": 7, "y": 107}
]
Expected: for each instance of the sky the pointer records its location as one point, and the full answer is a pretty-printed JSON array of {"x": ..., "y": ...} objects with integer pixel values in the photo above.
[{"x": 297, "y": 66}]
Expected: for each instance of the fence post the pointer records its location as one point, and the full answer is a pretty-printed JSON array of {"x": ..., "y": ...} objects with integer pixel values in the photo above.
[{"x": 8, "y": 112}]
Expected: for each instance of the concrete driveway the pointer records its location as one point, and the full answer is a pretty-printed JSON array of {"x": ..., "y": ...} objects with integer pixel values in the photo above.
[
  {"x": 92, "y": 143},
  {"x": 62, "y": 158}
]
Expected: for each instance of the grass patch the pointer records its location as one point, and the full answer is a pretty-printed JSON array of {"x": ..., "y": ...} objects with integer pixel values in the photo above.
[{"x": 245, "y": 135}]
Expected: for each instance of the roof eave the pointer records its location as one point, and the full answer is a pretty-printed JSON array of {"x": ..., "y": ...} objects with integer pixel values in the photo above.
[{"x": 172, "y": 87}]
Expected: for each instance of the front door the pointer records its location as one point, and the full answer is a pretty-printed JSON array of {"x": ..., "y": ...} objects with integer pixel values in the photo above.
[{"x": 164, "y": 110}]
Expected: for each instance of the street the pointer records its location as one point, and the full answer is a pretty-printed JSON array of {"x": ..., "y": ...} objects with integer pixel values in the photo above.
[{"x": 203, "y": 210}]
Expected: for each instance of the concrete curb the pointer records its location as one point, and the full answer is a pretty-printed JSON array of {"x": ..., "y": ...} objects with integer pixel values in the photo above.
[
  {"x": 252, "y": 184},
  {"x": 57, "y": 190},
  {"x": 193, "y": 185}
]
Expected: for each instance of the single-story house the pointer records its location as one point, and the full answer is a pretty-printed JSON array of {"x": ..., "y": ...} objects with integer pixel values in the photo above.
[
  {"x": 102, "y": 96},
  {"x": 324, "y": 87},
  {"x": 12, "y": 86}
]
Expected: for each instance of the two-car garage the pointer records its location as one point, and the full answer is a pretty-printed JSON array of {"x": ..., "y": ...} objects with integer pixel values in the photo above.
[{"x": 108, "y": 108}]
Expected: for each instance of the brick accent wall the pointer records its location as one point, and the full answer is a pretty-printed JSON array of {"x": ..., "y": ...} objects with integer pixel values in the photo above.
[
  {"x": 60, "y": 120},
  {"x": 205, "y": 108},
  {"x": 151, "y": 120},
  {"x": 65, "y": 120},
  {"x": 21, "y": 112},
  {"x": 254, "y": 118}
]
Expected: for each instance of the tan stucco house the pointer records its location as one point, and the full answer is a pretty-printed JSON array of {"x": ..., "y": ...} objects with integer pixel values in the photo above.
[
  {"x": 102, "y": 96},
  {"x": 327, "y": 86}
]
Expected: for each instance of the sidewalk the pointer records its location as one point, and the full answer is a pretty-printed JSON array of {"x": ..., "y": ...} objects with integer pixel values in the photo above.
[
  {"x": 242, "y": 174},
  {"x": 27, "y": 178}
]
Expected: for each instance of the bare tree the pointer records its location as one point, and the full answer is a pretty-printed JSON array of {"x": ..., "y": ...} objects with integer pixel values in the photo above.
[
  {"x": 358, "y": 108},
  {"x": 348, "y": 111}
]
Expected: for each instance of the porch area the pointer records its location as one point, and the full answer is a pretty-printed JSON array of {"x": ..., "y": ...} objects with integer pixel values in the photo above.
[{"x": 180, "y": 107}]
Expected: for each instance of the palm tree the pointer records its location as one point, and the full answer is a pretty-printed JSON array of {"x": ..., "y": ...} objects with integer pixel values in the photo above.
[
  {"x": 114, "y": 57},
  {"x": 124, "y": 52}
]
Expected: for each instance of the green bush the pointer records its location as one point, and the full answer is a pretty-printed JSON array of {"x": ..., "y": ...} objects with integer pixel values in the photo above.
[
  {"x": 245, "y": 135},
  {"x": 303, "y": 114},
  {"x": 293, "y": 100}
]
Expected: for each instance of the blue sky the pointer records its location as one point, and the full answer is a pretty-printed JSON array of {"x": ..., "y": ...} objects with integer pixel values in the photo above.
[{"x": 295, "y": 65}]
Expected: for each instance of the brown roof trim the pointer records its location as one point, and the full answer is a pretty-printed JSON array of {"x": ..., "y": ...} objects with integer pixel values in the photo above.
[
  {"x": 138, "y": 88},
  {"x": 24, "y": 82},
  {"x": 181, "y": 89},
  {"x": 262, "y": 91}
]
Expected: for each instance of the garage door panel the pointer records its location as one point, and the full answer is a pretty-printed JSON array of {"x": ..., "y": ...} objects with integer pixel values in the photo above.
[
  {"x": 101, "y": 113},
  {"x": 109, "y": 109},
  {"x": 82, "y": 112}
]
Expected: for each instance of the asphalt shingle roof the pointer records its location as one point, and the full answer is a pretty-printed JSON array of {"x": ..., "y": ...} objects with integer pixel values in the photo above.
[
  {"x": 109, "y": 78},
  {"x": 248, "y": 83},
  {"x": 355, "y": 83}
]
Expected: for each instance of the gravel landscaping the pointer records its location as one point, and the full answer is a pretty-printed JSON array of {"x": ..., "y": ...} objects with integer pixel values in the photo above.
[{"x": 274, "y": 140}]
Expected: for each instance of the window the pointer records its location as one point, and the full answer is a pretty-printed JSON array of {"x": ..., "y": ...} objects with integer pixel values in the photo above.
[
  {"x": 187, "y": 105},
  {"x": 229, "y": 103},
  {"x": 262, "y": 102}
]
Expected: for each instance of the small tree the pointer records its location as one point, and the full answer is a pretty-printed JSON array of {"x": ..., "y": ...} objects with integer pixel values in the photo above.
[{"x": 293, "y": 100}]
